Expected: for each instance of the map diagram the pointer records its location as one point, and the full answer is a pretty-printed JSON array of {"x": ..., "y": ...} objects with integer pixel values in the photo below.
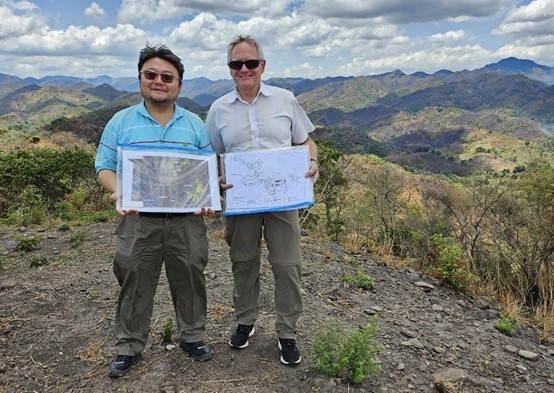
[
  {"x": 267, "y": 180},
  {"x": 167, "y": 181}
]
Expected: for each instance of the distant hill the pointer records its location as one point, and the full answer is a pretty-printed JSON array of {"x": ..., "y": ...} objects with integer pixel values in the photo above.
[
  {"x": 528, "y": 68},
  {"x": 446, "y": 121}
]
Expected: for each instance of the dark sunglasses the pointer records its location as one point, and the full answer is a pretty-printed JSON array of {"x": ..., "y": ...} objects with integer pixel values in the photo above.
[
  {"x": 152, "y": 75},
  {"x": 250, "y": 64}
]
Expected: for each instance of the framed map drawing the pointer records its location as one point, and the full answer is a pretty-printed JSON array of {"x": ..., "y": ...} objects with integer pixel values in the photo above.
[
  {"x": 267, "y": 180},
  {"x": 166, "y": 180}
]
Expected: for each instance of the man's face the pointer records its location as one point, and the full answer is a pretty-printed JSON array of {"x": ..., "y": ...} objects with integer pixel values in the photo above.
[
  {"x": 156, "y": 90},
  {"x": 246, "y": 79}
]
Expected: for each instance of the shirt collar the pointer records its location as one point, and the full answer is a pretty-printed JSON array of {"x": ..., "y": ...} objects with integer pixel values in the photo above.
[
  {"x": 177, "y": 112},
  {"x": 264, "y": 89}
]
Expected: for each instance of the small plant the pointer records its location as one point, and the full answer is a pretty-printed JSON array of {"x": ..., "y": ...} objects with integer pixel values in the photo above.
[
  {"x": 64, "y": 228},
  {"x": 506, "y": 325},
  {"x": 2, "y": 262},
  {"x": 77, "y": 238},
  {"x": 450, "y": 261},
  {"x": 27, "y": 243},
  {"x": 167, "y": 331},
  {"x": 360, "y": 280},
  {"x": 350, "y": 355},
  {"x": 39, "y": 261},
  {"x": 484, "y": 364}
]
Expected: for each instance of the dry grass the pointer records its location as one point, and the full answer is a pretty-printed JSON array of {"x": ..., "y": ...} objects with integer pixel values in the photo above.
[{"x": 94, "y": 352}]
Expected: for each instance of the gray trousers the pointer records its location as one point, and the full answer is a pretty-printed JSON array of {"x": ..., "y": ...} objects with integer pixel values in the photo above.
[
  {"x": 143, "y": 244},
  {"x": 281, "y": 232}
]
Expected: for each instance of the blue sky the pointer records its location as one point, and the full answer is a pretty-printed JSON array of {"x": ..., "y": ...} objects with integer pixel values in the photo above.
[{"x": 301, "y": 38}]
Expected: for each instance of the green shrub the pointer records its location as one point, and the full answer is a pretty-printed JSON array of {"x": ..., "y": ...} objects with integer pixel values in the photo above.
[
  {"x": 506, "y": 325},
  {"x": 27, "y": 243},
  {"x": 360, "y": 280},
  {"x": 450, "y": 263},
  {"x": 2, "y": 262},
  {"x": 49, "y": 174},
  {"x": 167, "y": 331},
  {"x": 349, "y": 355},
  {"x": 38, "y": 261},
  {"x": 77, "y": 238}
]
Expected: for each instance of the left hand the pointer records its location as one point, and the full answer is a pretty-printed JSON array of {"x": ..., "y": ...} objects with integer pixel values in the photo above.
[{"x": 313, "y": 172}]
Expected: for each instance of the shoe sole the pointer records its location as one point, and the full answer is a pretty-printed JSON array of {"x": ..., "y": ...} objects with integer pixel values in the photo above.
[
  {"x": 283, "y": 359},
  {"x": 246, "y": 343},
  {"x": 202, "y": 358}
]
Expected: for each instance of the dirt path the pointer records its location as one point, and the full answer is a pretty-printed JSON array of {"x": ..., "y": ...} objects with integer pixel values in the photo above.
[{"x": 56, "y": 327}]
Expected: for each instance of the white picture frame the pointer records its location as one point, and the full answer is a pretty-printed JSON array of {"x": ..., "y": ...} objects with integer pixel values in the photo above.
[
  {"x": 167, "y": 180},
  {"x": 267, "y": 180}
]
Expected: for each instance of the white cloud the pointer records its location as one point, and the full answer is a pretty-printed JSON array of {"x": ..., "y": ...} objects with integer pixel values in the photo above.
[
  {"x": 14, "y": 24},
  {"x": 449, "y": 36},
  {"x": 315, "y": 38},
  {"x": 95, "y": 11},
  {"x": 536, "y": 18},
  {"x": 141, "y": 12},
  {"x": 405, "y": 11}
]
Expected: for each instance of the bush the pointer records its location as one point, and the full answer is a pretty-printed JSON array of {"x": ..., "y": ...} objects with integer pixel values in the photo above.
[
  {"x": 49, "y": 174},
  {"x": 39, "y": 261},
  {"x": 450, "y": 263},
  {"x": 338, "y": 353},
  {"x": 27, "y": 243},
  {"x": 360, "y": 280},
  {"x": 506, "y": 325}
]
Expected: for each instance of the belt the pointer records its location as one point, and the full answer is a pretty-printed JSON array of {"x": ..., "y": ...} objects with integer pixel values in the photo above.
[{"x": 164, "y": 215}]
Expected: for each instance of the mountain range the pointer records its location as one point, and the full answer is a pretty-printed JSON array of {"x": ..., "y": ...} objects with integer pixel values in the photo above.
[{"x": 420, "y": 120}]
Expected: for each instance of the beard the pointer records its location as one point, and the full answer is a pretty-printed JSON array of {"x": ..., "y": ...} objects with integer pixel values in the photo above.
[{"x": 159, "y": 101}]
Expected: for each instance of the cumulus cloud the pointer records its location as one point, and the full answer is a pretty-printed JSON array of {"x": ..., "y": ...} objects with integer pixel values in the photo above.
[
  {"x": 449, "y": 36},
  {"x": 95, "y": 11},
  {"x": 314, "y": 38},
  {"x": 405, "y": 11},
  {"x": 19, "y": 19},
  {"x": 536, "y": 18},
  {"x": 140, "y": 11}
]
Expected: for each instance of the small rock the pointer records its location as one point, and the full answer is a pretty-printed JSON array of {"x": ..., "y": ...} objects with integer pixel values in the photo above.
[
  {"x": 451, "y": 375},
  {"x": 423, "y": 284},
  {"x": 528, "y": 355},
  {"x": 511, "y": 349}
]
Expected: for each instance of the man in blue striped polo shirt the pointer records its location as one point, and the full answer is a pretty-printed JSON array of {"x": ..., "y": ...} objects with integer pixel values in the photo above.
[{"x": 145, "y": 241}]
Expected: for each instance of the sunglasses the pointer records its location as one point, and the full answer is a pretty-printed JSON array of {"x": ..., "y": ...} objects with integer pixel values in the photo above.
[
  {"x": 152, "y": 75},
  {"x": 250, "y": 64}
]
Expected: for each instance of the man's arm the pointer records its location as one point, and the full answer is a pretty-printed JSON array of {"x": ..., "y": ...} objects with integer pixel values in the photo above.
[
  {"x": 107, "y": 179},
  {"x": 313, "y": 172}
]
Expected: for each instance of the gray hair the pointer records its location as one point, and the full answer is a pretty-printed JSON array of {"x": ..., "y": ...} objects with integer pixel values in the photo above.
[{"x": 248, "y": 39}]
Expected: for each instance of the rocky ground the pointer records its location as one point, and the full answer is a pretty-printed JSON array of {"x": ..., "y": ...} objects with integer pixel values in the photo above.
[{"x": 56, "y": 326}]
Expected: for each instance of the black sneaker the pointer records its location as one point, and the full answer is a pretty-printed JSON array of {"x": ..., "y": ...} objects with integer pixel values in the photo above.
[
  {"x": 122, "y": 364},
  {"x": 290, "y": 354},
  {"x": 198, "y": 350},
  {"x": 239, "y": 339}
]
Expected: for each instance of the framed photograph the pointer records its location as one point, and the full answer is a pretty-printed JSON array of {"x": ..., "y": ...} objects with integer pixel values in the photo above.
[
  {"x": 166, "y": 180},
  {"x": 267, "y": 180}
]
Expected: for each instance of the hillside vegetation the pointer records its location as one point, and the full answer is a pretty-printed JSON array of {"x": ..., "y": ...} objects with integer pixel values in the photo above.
[{"x": 451, "y": 173}]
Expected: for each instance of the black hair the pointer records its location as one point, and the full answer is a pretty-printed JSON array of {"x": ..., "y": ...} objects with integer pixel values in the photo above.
[{"x": 160, "y": 52}]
